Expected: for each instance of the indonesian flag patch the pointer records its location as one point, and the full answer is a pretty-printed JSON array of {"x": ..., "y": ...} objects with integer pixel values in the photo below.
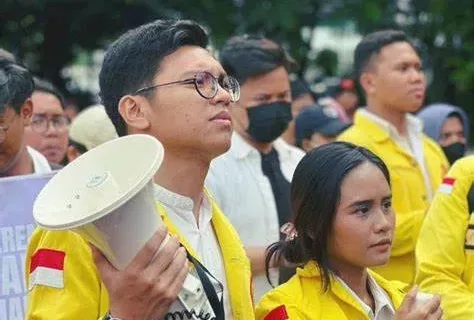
[
  {"x": 279, "y": 313},
  {"x": 47, "y": 269},
  {"x": 447, "y": 185}
]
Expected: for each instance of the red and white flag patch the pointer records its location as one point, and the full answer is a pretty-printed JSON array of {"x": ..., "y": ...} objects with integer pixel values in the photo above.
[
  {"x": 279, "y": 313},
  {"x": 47, "y": 269},
  {"x": 447, "y": 185}
]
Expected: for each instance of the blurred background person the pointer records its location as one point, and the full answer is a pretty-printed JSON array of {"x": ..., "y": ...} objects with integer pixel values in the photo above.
[
  {"x": 301, "y": 98},
  {"x": 251, "y": 182},
  {"x": 48, "y": 130},
  {"x": 445, "y": 248},
  {"x": 342, "y": 98},
  {"x": 16, "y": 108},
  {"x": 90, "y": 128},
  {"x": 449, "y": 126},
  {"x": 317, "y": 126},
  {"x": 391, "y": 74}
]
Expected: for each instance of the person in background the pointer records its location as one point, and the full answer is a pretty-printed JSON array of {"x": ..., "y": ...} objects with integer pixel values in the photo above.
[
  {"x": 301, "y": 97},
  {"x": 16, "y": 108},
  {"x": 48, "y": 130},
  {"x": 251, "y": 182},
  {"x": 343, "y": 225},
  {"x": 157, "y": 79},
  {"x": 342, "y": 99},
  {"x": 391, "y": 74},
  {"x": 88, "y": 129},
  {"x": 317, "y": 126},
  {"x": 449, "y": 125},
  {"x": 71, "y": 109}
]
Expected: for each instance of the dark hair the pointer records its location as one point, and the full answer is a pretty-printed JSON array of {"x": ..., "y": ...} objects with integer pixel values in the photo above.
[
  {"x": 315, "y": 196},
  {"x": 133, "y": 60},
  {"x": 45, "y": 86},
  {"x": 16, "y": 85},
  {"x": 247, "y": 56},
  {"x": 79, "y": 146},
  {"x": 371, "y": 45}
]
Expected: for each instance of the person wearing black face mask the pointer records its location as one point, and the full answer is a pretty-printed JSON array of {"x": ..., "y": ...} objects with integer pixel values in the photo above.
[
  {"x": 251, "y": 182},
  {"x": 449, "y": 125}
]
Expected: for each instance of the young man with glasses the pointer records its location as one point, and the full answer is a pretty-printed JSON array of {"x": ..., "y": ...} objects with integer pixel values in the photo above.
[
  {"x": 48, "y": 130},
  {"x": 16, "y": 107},
  {"x": 157, "y": 79}
]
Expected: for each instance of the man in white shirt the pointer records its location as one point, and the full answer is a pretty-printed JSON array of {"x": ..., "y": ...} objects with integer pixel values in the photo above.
[
  {"x": 251, "y": 182},
  {"x": 159, "y": 79},
  {"x": 16, "y": 87}
]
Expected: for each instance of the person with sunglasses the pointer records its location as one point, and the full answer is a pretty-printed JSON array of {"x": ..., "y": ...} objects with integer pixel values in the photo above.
[
  {"x": 48, "y": 130},
  {"x": 16, "y": 107},
  {"x": 158, "y": 79}
]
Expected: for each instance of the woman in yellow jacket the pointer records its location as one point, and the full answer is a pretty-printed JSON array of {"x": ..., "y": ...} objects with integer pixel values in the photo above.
[{"x": 343, "y": 225}]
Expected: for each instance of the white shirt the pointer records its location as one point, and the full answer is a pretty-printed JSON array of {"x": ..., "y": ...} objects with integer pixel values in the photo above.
[
  {"x": 245, "y": 195},
  {"x": 201, "y": 238},
  {"x": 40, "y": 163},
  {"x": 412, "y": 143},
  {"x": 384, "y": 309}
]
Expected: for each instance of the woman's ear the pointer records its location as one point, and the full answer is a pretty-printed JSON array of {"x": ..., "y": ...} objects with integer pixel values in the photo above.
[{"x": 133, "y": 111}]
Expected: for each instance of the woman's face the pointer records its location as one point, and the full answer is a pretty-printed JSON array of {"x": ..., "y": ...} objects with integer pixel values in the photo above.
[{"x": 364, "y": 223}]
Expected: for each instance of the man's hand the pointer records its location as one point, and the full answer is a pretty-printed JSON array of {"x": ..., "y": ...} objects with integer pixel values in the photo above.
[{"x": 149, "y": 285}]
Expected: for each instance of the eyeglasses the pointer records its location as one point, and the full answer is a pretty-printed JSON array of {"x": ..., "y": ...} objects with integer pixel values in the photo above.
[
  {"x": 206, "y": 85},
  {"x": 40, "y": 123}
]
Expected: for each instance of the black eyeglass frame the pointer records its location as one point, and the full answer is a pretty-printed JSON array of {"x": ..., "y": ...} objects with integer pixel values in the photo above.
[{"x": 193, "y": 80}]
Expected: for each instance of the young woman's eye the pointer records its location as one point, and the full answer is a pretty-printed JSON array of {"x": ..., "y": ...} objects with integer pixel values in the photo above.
[{"x": 362, "y": 211}]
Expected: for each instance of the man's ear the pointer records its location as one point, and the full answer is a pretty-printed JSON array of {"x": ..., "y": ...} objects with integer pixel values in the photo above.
[
  {"x": 72, "y": 153},
  {"x": 133, "y": 110},
  {"x": 306, "y": 145},
  {"x": 367, "y": 82},
  {"x": 26, "y": 112}
]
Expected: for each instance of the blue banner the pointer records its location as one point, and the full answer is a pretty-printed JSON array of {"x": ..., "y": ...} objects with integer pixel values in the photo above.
[{"x": 17, "y": 195}]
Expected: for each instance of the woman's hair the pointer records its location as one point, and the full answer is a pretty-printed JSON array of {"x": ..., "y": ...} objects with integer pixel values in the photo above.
[{"x": 315, "y": 196}]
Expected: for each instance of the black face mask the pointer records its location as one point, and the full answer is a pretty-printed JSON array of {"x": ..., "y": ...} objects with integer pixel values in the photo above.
[
  {"x": 268, "y": 121},
  {"x": 454, "y": 151}
]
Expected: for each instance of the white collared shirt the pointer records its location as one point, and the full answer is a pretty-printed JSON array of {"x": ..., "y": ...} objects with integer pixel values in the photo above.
[
  {"x": 40, "y": 163},
  {"x": 384, "y": 309},
  {"x": 201, "y": 238},
  {"x": 244, "y": 193},
  {"x": 412, "y": 143}
]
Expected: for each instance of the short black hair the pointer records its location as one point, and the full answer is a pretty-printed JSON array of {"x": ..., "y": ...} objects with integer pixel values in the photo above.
[
  {"x": 42, "y": 85},
  {"x": 16, "y": 85},
  {"x": 315, "y": 196},
  {"x": 133, "y": 60},
  {"x": 371, "y": 45},
  {"x": 247, "y": 56}
]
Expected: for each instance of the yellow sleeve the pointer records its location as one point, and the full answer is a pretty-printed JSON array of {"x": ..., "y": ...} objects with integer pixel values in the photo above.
[
  {"x": 441, "y": 257},
  {"x": 277, "y": 299},
  {"x": 81, "y": 294},
  {"x": 407, "y": 230}
]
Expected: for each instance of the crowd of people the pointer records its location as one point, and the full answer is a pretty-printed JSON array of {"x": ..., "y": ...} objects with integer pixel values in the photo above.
[{"x": 300, "y": 206}]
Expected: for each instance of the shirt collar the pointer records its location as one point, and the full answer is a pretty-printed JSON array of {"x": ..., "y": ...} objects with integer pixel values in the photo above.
[
  {"x": 414, "y": 125},
  {"x": 381, "y": 298},
  {"x": 241, "y": 149}
]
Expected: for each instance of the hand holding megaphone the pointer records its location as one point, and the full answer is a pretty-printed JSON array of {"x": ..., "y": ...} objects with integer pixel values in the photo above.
[{"x": 151, "y": 282}]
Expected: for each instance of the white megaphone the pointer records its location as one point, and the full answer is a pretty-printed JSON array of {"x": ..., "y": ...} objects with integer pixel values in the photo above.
[{"x": 107, "y": 196}]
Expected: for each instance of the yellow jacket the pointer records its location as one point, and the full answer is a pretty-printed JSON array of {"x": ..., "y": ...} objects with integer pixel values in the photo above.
[
  {"x": 410, "y": 196},
  {"x": 84, "y": 296},
  {"x": 445, "y": 249},
  {"x": 304, "y": 299}
]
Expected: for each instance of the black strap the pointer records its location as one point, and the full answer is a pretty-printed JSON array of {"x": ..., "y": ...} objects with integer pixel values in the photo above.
[
  {"x": 216, "y": 303},
  {"x": 470, "y": 199}
]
